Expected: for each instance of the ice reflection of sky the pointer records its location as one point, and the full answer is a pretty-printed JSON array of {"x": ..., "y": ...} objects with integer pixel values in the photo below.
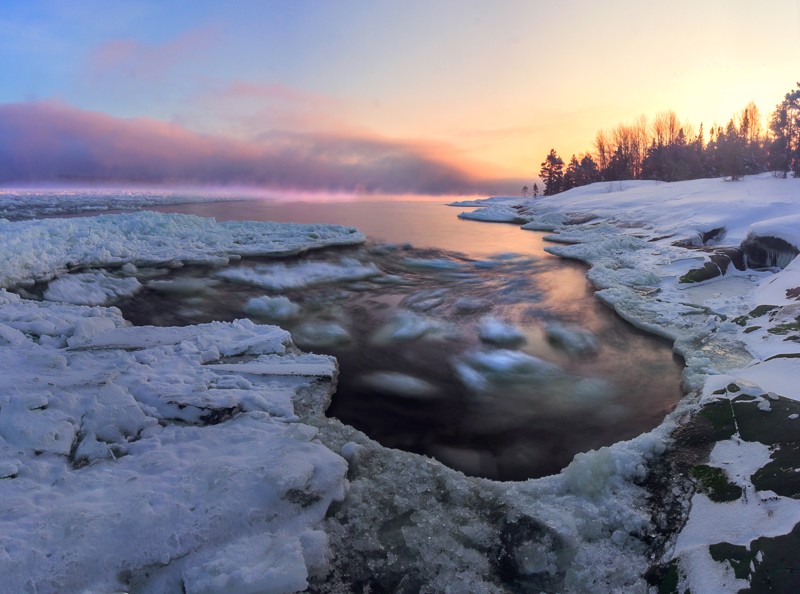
[{"x": 511, "y": 430}]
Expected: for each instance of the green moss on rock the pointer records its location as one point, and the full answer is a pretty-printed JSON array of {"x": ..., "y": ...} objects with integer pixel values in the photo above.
[
  {"x": 738, "y": 557},
  {"x": 714, "y": 483}
]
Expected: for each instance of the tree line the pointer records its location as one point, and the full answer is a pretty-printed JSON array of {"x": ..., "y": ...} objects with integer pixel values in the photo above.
[{"x": 668, "y": 149}]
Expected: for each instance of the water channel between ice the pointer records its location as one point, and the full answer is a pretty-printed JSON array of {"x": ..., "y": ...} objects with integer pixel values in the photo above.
[{"x": 414, "y": 371}]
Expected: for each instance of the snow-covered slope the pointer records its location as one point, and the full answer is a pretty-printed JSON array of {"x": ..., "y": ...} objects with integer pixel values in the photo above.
[{"x": 670, "y": 258}]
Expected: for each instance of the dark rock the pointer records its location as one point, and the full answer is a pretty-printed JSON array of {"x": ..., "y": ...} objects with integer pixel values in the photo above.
[{"x": 768, "y": 252}]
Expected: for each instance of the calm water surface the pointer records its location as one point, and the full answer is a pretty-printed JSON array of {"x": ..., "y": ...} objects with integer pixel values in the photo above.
[{"x": 510, "y": 424}]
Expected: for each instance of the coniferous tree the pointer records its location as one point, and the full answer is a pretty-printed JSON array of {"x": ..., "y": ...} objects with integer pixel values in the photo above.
[
  {"x": 572, "y": 175},
  {"x": 784, "y": 151},
  {"x": 552, "y": 173},
  {"x": 588, "y": 171},
  {"x": 731, "y": 152}
]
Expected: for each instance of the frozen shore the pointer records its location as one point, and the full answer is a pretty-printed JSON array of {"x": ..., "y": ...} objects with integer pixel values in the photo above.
[
  {"x": 713, "y": 266},
  {"x": 151, "y": 459}
]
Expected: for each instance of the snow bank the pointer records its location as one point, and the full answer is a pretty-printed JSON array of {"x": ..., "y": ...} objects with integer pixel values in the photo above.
[
  {"x": 497, "y": 213},
  {"x": 684, "y": 210},
  {"x": 659, "y": 252},
  {"x": 785, "y": 227}
]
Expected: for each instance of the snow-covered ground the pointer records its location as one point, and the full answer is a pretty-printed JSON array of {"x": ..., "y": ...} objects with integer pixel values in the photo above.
[
  {"x": 148, "y": 459},
  {"x": 669, "y": 257}
]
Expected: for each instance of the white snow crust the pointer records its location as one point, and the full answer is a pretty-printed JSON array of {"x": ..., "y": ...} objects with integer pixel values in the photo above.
[
  {"x": 42, "y": 249},
  {"x": 114, "y": 470}
]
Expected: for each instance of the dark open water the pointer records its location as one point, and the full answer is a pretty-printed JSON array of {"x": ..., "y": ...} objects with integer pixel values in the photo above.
[{"x": 512, "y": 422}]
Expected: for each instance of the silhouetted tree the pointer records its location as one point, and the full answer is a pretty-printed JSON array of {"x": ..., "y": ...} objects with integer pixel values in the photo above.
[
  {"x": 730, "y": 146},
  {"x": 784, "y": 151},
  {"x": 668, "y": 149},
  {"x": 535, "y": 190},
  {"x": 572, "y": 174},
  {"x": 552, "y": 173},
  {"x": 588, "y": 172}
]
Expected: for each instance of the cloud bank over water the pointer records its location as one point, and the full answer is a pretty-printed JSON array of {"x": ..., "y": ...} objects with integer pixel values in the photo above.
[{"x": 49, "y": 141}]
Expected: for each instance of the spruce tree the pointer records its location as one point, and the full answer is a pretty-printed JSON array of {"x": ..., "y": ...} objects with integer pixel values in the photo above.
[{"x": 552, "y": 173}]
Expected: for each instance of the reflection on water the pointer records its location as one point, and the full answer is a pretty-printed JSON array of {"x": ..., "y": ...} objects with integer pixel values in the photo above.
[{"x": 428, "y": 356}]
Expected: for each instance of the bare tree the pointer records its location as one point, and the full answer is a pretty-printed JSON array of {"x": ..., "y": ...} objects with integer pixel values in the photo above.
[{"x": 603, "y": 147}]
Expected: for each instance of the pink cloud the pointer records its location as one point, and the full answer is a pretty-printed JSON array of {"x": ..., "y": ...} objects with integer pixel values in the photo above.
[
  {"x": 248, "y": 109},
  {"x": 135, "y": 59},
  {"x": 52, "y": 141}
]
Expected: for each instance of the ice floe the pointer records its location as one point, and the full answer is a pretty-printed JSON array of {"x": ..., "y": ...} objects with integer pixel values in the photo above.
[
  {"x": 575, "y": 341},
  {"x": 281, "y": 277},
  {"x": 91, "y": 288},
  {"x": 278, "y": 308},
  {"x": 480, "y": 369},
  {"x": 42, "y": 249},
  {"x": 494, "y": 331},
  {"x": 399, "y": 384}
]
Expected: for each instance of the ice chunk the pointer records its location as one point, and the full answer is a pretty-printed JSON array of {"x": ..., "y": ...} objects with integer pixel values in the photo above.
[
  {"x": 425, "y": 300},
  {"x": 496, "y": 213},
  {"x": 11, "y": 336},
  {"x": 494, "y": 331},
  {"x": 575, "y": 341},
  {"x": 466, "y": 305},
  {"x": 87, "y": 328},
  {"x": 406, "y": 325},
  {"x": 280, "y": 277},
  {"x": 400, "y": 384},
  {"x": 182, "y": 286},
  {"x": 91, "y": 288},
  {"x": 274, "y": 308},
  {"x": 432, "y": 264},
  {"x": 303, "y": 365},
  {"x": 480, "y": 370},
  {"x": 320, "y": 335}
]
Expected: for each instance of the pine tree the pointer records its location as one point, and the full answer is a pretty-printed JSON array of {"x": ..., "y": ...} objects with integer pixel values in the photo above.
[
  {"x": 572, "y": 175},
  {"x": 589, "y": 172},
  {"x": 730, "y": 145},
  {"x": 784, "y": 151},
  {"x": 552, "y": 173}
]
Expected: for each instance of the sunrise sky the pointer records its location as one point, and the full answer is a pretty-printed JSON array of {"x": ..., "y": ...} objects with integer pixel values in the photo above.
[{"x": 432, "y": 96}]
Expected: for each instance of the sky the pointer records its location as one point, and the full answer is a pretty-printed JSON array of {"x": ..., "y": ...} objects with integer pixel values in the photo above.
[{"x": 418, "y": 96}]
